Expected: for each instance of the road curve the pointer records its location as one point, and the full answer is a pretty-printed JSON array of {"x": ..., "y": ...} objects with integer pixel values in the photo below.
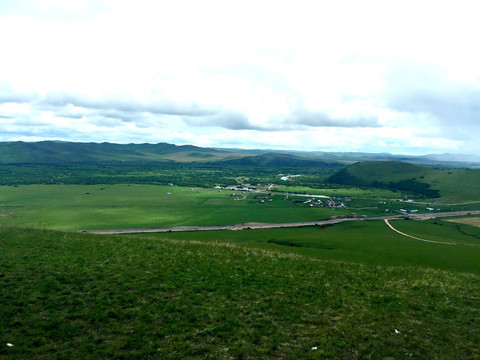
[
  {"x": 417, "y": 238},
  {"x": 254, "y": 226}
]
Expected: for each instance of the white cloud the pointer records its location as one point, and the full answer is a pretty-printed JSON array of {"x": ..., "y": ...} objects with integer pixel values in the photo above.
[{"x": 311, "y": 75}]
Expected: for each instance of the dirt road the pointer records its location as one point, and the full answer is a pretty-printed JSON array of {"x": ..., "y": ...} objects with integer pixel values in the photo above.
[
  {"x": 426, "y": 240},
  {"x": 275, "y": 225}
]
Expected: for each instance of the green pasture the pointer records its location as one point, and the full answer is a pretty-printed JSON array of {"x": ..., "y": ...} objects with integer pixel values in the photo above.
[
  {"x": 346, "y": 191},
  {"x": 438, "y": 230},
  {"x": 455, "y": 186},
  {"x": 78, "y": 296},
  {"x": 367, "y": 242},
  {"x": 75, "y": 207}
]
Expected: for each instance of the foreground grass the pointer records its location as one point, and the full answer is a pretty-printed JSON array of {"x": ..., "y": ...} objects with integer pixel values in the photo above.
[{"x": 67, "y": 295}]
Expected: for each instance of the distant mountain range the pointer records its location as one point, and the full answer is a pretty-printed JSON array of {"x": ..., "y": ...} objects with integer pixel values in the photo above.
[{"x": 56, "y": 152}]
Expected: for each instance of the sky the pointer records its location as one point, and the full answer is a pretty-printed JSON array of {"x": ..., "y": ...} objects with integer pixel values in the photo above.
[{"x": 401, "y": 77}]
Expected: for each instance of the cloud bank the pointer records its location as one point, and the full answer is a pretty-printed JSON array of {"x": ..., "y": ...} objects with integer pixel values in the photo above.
[{"x": 309, "y": 75}]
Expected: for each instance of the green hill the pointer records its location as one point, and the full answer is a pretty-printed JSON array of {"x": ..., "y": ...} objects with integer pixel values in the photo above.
[
  {"x": 55, "y": 152},
  {"x": 274, "y": 159},
  {"x": 48, "y": 152},
  {"x": 75, "y": 296},
  {"x": 386, "y": 174}
]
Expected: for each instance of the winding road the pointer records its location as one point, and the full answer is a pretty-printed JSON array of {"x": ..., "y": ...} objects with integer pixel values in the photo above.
[{"x": 254, "y": 226}]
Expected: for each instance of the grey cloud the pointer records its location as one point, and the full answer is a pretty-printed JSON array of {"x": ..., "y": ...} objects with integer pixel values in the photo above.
[
  {"x": 69, "y": 115},
  {"x": 421, "y": 88},
  {"x": 323, "y": 119},
  {"x": 10, "y": 97},
  {"x": 108, "y": 111},
  {"x": 112, "y": 118},
  {"x": 105, "y": 121},
  {"x": 226, "y": 120},
  {"x": 449, "y": 109},
  {"x": 158, "y": 107},
  {"x": 43, "y": 132},
  {"x": 28, "y": 122},
  {"x": 120, "y": 115}
]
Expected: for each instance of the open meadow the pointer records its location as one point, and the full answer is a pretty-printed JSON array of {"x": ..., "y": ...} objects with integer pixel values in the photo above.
[{"x": 77, "y": 207}]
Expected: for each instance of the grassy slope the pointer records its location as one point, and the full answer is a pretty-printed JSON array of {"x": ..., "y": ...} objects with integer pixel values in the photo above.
[
  {"x": 281, "y": 160},
  {"x": 78, "y": 296},
  {"x": 386, "y": 171},
  {"x": 454, "y": 185},
  {"x": 367, "y": 172},
  {"x": 367, "y": 242}
]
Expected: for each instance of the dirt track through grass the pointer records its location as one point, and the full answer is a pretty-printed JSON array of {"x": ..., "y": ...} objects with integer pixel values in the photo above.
[{"x": 425, "y": 240}]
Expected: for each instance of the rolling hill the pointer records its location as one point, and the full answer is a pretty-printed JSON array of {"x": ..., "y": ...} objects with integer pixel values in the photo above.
[
  {"x": 58, "y": 152},
  {"x": 386, "y": 174},
  {"x": 273, "y": 159},
  {"x": 62, "y": 152}
]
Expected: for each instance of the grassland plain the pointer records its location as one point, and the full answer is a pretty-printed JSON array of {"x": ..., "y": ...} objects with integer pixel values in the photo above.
[
  {"x": 77, "y": 296},
  {"x": 346, "y": 191},
  {"x": 76, "y": 207},
  {"x": 366, "y": 242}
]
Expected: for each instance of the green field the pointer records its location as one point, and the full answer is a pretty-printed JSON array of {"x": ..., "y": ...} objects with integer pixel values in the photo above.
[
  {"x": 346, "y": 191},
  {"x": 76, "y": 207},
  {"x": 76, "y": 296},
  {"x": 366, "y": 242}
]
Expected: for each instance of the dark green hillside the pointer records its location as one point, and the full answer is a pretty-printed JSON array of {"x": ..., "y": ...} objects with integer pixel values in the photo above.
[
  {"x": 384, "y": 171},
  {"x": 387, "y": 174},
  {"x": 75, "y": 296},
  {"x": 62, "y": 152},
  {"x": 280, "y": 160}
]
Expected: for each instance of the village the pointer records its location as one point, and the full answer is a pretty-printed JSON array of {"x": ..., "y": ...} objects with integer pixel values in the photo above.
[{"x": 263, "y": 194}]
